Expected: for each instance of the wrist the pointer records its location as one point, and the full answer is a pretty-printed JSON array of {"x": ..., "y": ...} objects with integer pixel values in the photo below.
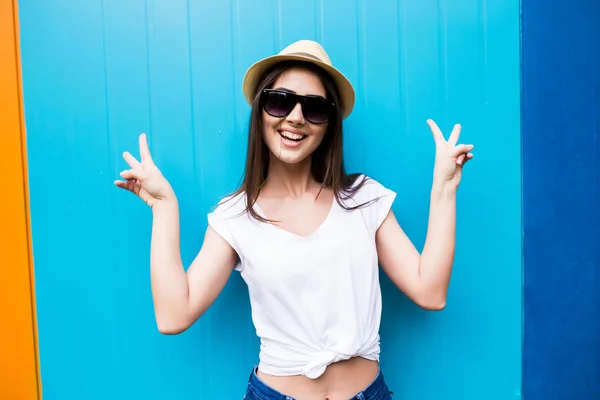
[
  {"x": 167, "y": 204},
  {"x": 443, "y": 189}
]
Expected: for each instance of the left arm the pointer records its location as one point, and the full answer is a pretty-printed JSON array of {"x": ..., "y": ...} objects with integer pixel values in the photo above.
[{"x": 425, "y": 277}]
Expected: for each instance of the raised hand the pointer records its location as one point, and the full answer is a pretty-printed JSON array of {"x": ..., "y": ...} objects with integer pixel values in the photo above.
[
  {"x": 144, "y": 179},
  {"x": 450, "y": 158}
]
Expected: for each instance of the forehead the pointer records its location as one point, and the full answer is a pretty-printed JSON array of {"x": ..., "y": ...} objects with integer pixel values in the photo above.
[{"x": 300, "y": 81}]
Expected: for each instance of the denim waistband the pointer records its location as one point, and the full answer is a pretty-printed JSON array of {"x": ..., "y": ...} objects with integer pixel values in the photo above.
[
  {"x": 263, "y": 391},
  {"x": 377, "y": 389}
]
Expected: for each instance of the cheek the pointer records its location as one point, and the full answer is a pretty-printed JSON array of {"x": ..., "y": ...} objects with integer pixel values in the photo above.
[
  {"x": 319, "y": 132},
  {"x": 270, "y": 123}
]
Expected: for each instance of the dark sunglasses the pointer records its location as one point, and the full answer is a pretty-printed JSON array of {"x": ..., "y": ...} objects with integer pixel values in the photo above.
[{"x": 279, "y": 103}]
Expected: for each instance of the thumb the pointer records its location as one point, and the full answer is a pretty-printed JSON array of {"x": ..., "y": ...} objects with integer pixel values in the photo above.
[{"x": 462, "y": 148}]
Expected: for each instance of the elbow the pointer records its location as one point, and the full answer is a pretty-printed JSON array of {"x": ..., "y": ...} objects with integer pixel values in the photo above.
[
  {"x": 171, "y": 329},
  {"x": 432, "y": 302},
  {"x": 171, "y": 326},
  {"x": 434, "y": 306}
]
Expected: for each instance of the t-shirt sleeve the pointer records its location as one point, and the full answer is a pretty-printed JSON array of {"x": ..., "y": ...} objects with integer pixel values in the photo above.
[
  {"x": 379, "y": 199},
  {"x": 382, "y": 206},
  {"x": 223, "y": 220}
]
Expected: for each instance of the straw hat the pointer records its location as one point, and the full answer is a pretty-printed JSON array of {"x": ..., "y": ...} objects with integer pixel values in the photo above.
[{"x": 302, "y": 50}]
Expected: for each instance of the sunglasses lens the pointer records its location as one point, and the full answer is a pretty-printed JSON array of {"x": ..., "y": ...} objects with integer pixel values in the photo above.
[
  {"x": 278, "y": 104},
  {"x": 316, "y": 110}
]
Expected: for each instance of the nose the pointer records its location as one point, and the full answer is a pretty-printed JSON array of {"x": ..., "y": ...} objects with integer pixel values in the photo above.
[{"x": 295, "y": 116}]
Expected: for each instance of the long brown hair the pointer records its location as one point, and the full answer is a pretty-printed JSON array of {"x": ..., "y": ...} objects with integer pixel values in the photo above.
[{"x": 327, "y": 160}]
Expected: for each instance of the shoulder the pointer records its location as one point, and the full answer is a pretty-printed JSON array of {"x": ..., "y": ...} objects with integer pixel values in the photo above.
[
  {"x": 370, "y": 196},
  {"x": 230, "y": 206},
  {"x": 228, "y": 214},
  {"x": 226, "y": 219},
  {"x": 366, "y": 190}
]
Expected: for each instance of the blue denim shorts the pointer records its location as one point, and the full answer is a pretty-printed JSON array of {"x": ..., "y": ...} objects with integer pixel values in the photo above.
[{"x": 258, "y": 390}]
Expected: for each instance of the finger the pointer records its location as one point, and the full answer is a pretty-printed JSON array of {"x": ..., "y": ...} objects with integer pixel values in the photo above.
[
  {"x": 453, "y": 139},
  {"x": 127, "y": 185},
  {"x": 460, "y": 159},
  {"x": 462, "y": 148},
  {"x": 435, "y": 130},
  {"x": 132, "y": 174},
  {"x": 133, "y": 163},
  {"x": 467, "y": 157},
  {"x": 144, "y": 150}
]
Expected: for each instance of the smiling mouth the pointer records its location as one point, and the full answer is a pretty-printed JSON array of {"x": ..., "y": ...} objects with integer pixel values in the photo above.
[{"x": 294, "y": 137}]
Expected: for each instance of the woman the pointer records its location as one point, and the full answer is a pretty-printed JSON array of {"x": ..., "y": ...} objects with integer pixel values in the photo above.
[{"x": 306, "y": 237}]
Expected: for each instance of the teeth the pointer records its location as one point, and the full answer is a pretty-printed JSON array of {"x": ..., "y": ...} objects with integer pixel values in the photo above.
[{"x": 290, "y": 135}]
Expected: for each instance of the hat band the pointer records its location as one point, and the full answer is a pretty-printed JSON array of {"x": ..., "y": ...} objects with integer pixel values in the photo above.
[{"x": 308, "y": 55}]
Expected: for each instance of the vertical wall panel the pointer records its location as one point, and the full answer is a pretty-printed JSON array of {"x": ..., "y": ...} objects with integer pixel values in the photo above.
[
  {"x": 79, "y": 263},
  {"x": 98, "y": 73},
  {"x": 561, "y": 171},
  {"x": 18, "y": 347}
]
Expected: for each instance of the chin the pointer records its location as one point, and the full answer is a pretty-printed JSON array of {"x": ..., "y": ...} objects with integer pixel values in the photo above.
[
  {"x": 292, "y": 160},
  {"x": 289, "y": 157}
]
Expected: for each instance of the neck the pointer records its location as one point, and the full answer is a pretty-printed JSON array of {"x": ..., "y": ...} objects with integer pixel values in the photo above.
[{"x": 290, "y": 179}]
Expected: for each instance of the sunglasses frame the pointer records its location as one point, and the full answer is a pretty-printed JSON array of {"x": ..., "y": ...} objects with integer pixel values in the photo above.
[{"x": 296, "y": 98}]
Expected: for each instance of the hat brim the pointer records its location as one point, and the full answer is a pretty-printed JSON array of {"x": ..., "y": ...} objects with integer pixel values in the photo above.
[{"x": 258, "y": 69}]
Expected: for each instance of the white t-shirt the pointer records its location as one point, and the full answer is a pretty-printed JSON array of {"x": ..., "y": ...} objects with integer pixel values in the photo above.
[{"x": 315, "y": 300}]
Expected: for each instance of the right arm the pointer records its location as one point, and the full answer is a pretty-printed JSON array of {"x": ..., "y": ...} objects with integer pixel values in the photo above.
[{"x": 180, "y": 297}]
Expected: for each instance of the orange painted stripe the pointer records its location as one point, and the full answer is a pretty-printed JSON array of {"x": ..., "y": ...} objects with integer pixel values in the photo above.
[{"x": 19, "y": 364}]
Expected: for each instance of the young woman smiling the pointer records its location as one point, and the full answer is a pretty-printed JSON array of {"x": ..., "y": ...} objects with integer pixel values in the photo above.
[{"x": 306, "y": 236}]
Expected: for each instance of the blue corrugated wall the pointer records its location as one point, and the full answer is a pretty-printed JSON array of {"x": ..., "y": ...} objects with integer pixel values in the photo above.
[
  {"x": 561, "y": 170},
  {"x": 97, "y": 73}
]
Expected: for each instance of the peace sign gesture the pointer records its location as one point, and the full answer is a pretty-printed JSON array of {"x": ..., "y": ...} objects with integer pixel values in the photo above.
[
  {"x": 450, "y": 158},
  {"x": 144, "y": 179}
]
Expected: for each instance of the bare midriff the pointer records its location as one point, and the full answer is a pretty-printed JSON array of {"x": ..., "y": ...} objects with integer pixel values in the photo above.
[{"x": 340, "y": 381}]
